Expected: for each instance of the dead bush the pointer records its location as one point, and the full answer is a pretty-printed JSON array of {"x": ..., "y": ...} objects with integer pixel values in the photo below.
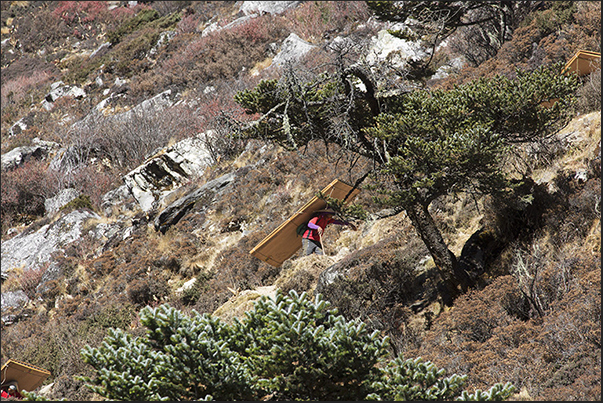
[
  {"x": 30, "y": 278},
  {"x": 302, "y": 280},
  {"x": 589, "y": 95},
  {"x": 117, "y": 144},
  {"x": 482, "y": 336}
]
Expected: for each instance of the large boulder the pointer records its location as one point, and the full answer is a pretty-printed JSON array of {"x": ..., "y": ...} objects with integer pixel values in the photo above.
[
  {"x": 39, "y": 149},
  {"x": 167, "y": 171},
  {"x": 55, "y": 203},
  {"x": 119, "y": 199},
  {"x": 176, "y": 210},
  {"x": 12, "y": 304},
  {"x": 59, "y": 90},
  {"x": 396, "y": 51},
  {"x": 292, "y": 49},
  {"x": 30, "y": 250},
  {"x": 272, "y": 7},
  {"x": 21, "y": 125}
]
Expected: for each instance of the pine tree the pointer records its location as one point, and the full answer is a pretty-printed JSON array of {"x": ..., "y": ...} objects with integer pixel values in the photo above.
[{"x": 426, "y": 143}]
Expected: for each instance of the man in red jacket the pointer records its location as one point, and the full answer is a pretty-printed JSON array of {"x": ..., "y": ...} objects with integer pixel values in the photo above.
[{"x": 311, "y": 239}]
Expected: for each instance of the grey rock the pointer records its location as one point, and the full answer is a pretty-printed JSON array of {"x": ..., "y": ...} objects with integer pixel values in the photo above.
[
  {"x": 12, "y": 304},
  {"x": 17, "y": 156},
  {"x": 327, "y": 277},
  {"x": 116, "y": 198},
  {"x": 31, "y": 250},
  {"x": 100, "y": 50},
  {"x": 56, "y": 93},
  {"x": 20, "y": 126},
  {"x": 396, "y": 51},
  {"x": 292, "y": 49},
  {"x": 176, "y": 210},
  {"x": 581, "y": 175},
  {"x": 53, "y": 204},
  {"x": 164, "y": 38},
  {"x": 13, "y": 299},
  {"x": 53, "y": 272},
  {"x": 156, "y": 179},
  {"x": 272, "y": 7},
  {"x": 58, "y": 90}
]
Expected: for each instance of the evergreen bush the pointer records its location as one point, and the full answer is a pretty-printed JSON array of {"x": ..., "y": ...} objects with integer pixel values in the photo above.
[{"x": 287, "y": 348}]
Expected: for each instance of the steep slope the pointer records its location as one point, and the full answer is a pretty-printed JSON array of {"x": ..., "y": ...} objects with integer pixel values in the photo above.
[{"x": 533, "y": 319}]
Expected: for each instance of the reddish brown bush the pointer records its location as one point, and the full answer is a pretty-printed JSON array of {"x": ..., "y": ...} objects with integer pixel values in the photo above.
[
  {"x": 30, "y": 279},
  {"x": 480, "y": 338},
  {"x": 540, "y": 41},
  {"x": 311, "y": 20},
  {"x": 15, "y": 91},
  {"x": 190, "y": 61},
  {"x": 147, "y": 291},
  {"x": 24, "y": 191}
]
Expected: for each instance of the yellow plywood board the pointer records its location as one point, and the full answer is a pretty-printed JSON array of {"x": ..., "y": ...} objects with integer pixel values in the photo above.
[
  {"x": 283, "y": 242},
  {"x": 28, "y": 376},
  {"x": 584, "y": 62}
]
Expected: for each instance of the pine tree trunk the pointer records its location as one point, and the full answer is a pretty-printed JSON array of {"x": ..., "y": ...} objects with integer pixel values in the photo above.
[{"x": 455, "y": 279}]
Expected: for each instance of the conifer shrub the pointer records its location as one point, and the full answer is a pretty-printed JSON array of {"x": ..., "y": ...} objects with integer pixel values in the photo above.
[
  {"x": 287, "y": 348},
  {"x": 143, "y": 17},
  {"x": 82, "y": 201}
]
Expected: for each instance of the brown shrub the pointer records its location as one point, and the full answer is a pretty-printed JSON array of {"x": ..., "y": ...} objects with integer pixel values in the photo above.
[
  {"x": 302, "y": 280},
  {"x": 23, "y": 193},
  {"x": 30, "y": 279},
  {"x": 589, "y": 95},
  {"x": 380, "y": 281},
  {"x": 548, "y": 356},
  {"x": 16, "y": 90},
  {"x": 190, "y": 61},
  {"x": 147, "y": 291},
  {"x": 540, "y": 40},
  {"x": 311, "y": 20},
  {"x": 104, "y": 147}
]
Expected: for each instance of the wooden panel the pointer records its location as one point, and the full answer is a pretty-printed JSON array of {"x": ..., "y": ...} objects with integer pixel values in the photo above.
[
  {"x": 28, "y": 376},
  {"x": 584, "y": 62},
  {"x": 283, "y": 242}
]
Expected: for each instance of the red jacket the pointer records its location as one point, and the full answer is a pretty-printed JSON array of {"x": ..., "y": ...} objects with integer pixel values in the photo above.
[
  {"x": 322, "y": 221},
  {"x": 17, "y": 395}
]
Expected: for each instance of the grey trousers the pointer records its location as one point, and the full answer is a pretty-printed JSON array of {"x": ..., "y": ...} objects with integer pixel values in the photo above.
[{"x": 309, "y": 246}]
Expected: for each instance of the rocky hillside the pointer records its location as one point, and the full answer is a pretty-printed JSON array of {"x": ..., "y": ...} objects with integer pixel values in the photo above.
[{"x": 123, "y": 187}]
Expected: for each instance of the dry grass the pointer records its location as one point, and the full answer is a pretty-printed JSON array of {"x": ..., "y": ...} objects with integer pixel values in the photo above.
[{"x": 241, "y": 302}]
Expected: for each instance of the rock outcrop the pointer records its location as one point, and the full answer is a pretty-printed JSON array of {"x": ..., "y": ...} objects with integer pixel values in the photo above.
[
  {"x": 175, "y": 211},
  {"x": 168, "y": 170},
  {"x": 292, "y": 49},
  {"x": 39, "y": 149},
  {"x": 30, "y": 250},
  {"x": 272, "y": 7}
]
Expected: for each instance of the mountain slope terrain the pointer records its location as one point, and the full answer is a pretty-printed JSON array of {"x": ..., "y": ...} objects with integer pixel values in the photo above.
[{"x": 126, "y": 185}]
